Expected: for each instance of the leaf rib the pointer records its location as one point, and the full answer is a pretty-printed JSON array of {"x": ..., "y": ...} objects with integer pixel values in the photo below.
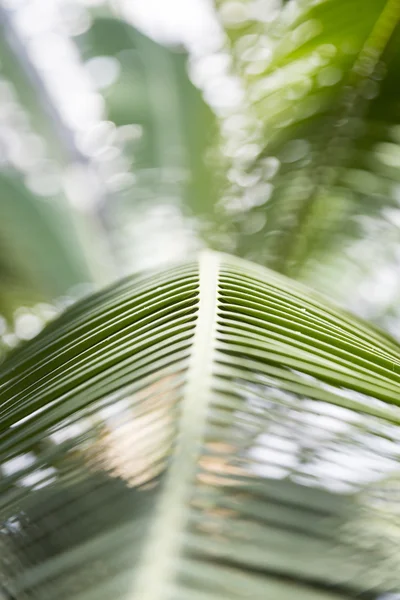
[{"x": 156, "y": 570}]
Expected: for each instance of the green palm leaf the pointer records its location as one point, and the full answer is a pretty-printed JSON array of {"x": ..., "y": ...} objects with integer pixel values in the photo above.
[
  {"x": 210, "y": 431},
  {"x": 320, "y": 93}
]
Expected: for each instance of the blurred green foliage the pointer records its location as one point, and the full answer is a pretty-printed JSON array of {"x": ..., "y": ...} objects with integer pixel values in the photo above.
[
  {"x": 295, "y": 175},
  {"x": 320, "y": 84},
  {"x": 47, "y": 242}
]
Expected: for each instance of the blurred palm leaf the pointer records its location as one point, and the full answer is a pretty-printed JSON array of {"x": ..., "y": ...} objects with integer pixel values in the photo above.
[
  {"x": 260, "y": 419},
  {"x": 153, "y": 91},
  {"x": 320, "y": 87},
  {"x": 46, "y": 243},
  {"x": 39, "y": 261}
]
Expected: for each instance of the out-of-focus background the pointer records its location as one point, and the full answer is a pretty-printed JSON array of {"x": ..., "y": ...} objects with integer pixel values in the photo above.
[{"x": 134, "y": 132}]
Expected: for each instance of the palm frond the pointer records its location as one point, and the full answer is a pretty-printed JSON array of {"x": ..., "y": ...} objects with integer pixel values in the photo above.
[
  {"x": 319, "y": 83},
  {"x": 230, "y": 433}
]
